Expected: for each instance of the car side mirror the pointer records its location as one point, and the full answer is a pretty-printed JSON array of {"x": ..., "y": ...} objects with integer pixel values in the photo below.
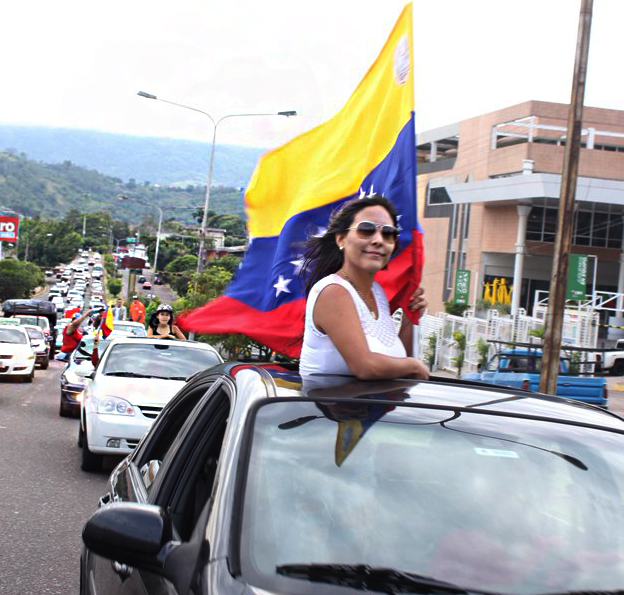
[{"x": 112, "y": 533}]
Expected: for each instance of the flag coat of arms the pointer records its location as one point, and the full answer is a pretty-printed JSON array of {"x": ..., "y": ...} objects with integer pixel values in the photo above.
[{"x": 368, "y": 147}]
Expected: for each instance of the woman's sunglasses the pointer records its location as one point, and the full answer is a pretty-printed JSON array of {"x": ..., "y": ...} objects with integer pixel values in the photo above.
[{"x": 367, "y": 229}]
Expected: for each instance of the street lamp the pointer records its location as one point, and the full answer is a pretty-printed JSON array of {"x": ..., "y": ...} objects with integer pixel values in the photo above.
[
  {"x": 160, "y": 218},
  {"x": 215, "y": 124}
]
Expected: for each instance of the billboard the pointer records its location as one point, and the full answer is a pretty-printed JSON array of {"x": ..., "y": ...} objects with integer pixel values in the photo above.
[
  {"x": 9, "y": 227},
  {"x": 131, "y": 262}
]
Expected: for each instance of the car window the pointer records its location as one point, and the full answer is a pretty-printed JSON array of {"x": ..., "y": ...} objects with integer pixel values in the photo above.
[
  {"x": 10, "y": 335},
  {"x": 486, "y": 503},
  {"x": 189, "y": 469},
  {"x": 168, "y": 428},
  {"x": 35, "y": 333},
  {"x": 137, "y": 331},
  {"x": 160, "y": 360},
  {"x": 39, "y": 321}
]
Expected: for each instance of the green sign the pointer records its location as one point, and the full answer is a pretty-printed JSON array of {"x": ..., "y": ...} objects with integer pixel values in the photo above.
[
  {"x": 131, "y": 240},
  {"x": 462, "y": 286},
  {"x": 577, "y": 277}
]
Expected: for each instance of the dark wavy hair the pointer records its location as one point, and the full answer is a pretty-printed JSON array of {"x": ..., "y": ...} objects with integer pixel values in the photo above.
[{"x": 321, "y": 256}]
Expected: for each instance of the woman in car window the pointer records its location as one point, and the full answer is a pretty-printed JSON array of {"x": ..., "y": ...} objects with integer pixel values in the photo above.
[
  {"x": 348, "y": 324},
  {"x": 161, "y": 324}
]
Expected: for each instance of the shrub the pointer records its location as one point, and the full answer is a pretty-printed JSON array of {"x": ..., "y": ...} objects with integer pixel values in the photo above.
[
  {"x": 460, "y": 341},
  {"x": 455, "y": 309}
]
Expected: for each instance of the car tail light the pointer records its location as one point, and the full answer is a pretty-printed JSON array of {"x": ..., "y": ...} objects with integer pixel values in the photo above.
[
  {"x": 605, "y": 392},
  {"x": 525, "y": 385}
]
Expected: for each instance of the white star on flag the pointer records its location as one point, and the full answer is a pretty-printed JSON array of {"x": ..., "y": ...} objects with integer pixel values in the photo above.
[
  {"x": 297, "y": 264},
  {"x": 282, "y": 286}
]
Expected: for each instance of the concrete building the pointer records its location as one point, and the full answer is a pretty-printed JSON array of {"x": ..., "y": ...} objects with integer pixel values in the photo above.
[{"x": 488, "y": 195}]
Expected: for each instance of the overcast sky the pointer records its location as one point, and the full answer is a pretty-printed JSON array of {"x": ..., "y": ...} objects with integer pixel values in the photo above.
[{"x": 78, "y": 64}]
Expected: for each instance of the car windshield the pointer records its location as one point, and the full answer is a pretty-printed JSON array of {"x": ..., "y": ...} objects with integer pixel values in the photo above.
[
  {"x": 531, "y": 364},
  {"x": 39, "y": 321},
  {"x": 158, "y": 360},
  {"x": 134, "y": 329},
  {"x": 12, "y": 335},
  {"x": 483, "y": 502},
  {"x": 35, "y": 333},
  {"x": 86, "y": 348}
]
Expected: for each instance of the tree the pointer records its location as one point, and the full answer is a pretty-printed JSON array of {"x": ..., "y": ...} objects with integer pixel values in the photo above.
[
  {"x": 188, "y": 262},
  {"x": 18, "y": 279},
  {"x": 114, "y": 286}
]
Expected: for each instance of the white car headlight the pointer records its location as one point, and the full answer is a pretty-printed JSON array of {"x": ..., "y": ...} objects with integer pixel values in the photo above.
[
  {"x": 72, "y": 378},
  {"x": 114, "y": 405}
]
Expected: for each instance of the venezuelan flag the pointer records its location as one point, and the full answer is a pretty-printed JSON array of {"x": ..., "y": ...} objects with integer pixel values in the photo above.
[
  {"x": 369, "y": 146},
  {"x": 107, "y": 323}
]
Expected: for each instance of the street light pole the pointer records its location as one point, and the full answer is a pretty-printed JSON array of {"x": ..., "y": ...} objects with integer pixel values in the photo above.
[
  {"x": 160, "y": 218},
  {"x": 215, "y": 124}
]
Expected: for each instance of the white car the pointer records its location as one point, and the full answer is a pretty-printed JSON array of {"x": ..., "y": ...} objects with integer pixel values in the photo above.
[
  {"x": 17, "y": 357},
  {"x": 133, "y": 381},
  {"x": 39, "y": 345},
  {"x": 59, "y": 302}
]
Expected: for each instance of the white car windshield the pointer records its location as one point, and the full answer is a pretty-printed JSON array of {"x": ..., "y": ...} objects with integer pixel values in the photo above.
[
  {"x": 134, "y": 329},
  {"x": 35, "y": 333},
  {"x": 157, "y": 360},
  {"x": 11, "y": 335},
  {"x": 39, "y": 321},
  {"x": 515, "y": 506}
]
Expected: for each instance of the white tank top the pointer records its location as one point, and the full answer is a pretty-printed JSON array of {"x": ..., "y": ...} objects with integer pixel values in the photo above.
[{"x": 318, "y": 353}]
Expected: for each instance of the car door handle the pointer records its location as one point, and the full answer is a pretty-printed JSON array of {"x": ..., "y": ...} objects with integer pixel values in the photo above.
[{"x": 123, "y": 570}]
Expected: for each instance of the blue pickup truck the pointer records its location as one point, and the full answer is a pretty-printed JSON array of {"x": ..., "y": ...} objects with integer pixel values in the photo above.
[{"x": 520, "y": 368}]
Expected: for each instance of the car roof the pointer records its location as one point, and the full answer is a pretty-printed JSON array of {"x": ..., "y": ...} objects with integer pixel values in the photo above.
[
  {"x": 444, "y": 393},
  {"x": 156, "y": 341}
]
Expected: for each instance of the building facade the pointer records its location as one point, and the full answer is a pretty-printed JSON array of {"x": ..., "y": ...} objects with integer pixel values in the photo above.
[{"x": 488, "y": 196}]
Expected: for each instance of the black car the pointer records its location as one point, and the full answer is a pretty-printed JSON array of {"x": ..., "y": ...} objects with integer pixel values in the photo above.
[
  {"x": 248, "y": 482},
  {"x": 142, "y": 279}
]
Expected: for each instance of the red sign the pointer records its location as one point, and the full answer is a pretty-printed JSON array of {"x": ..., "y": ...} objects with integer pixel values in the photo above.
[
  {"x": 9, "y": 227},
  {"x": 131, "y": 262}
]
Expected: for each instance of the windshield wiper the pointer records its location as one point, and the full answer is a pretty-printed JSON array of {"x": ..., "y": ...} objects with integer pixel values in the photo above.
[
  {"x": 129, "y": 374},
  {"x": 364, "y": 578}
]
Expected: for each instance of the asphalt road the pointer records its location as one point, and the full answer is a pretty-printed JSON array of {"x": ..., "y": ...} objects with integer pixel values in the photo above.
[{"x": 45, "y": 498}]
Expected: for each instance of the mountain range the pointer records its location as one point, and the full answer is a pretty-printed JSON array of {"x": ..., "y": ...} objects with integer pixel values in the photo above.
[{"x": 163, "y": 161}]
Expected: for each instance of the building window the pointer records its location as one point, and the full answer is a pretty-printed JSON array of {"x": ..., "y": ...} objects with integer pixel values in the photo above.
[
  {"x": 594, "y": 229},
  {"x": 438, "y": 196}
]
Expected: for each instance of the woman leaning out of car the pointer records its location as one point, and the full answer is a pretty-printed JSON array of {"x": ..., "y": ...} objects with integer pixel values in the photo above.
[
  {"x": 161, "y": 324},
  {"x": 348, "y": 326}
]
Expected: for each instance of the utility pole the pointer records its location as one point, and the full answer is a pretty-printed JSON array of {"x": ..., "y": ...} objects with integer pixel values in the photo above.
[{"x": 565, "y": 219}]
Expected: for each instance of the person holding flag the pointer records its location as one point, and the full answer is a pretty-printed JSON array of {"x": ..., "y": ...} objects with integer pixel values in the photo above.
[
  {"x": 72, "y": 335},
  {"x": 348, "y": 326},
  {"x": 368, "y": 148}
]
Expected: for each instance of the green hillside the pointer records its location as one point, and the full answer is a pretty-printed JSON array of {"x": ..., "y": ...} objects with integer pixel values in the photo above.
[{"x": 51, "y": 190}]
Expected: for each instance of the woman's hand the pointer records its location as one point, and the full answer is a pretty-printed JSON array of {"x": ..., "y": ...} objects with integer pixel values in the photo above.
[{"x": 418, "y": 302}]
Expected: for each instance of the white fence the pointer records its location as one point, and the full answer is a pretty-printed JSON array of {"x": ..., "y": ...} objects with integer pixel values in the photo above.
[{"x": 579, "y": 329}]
